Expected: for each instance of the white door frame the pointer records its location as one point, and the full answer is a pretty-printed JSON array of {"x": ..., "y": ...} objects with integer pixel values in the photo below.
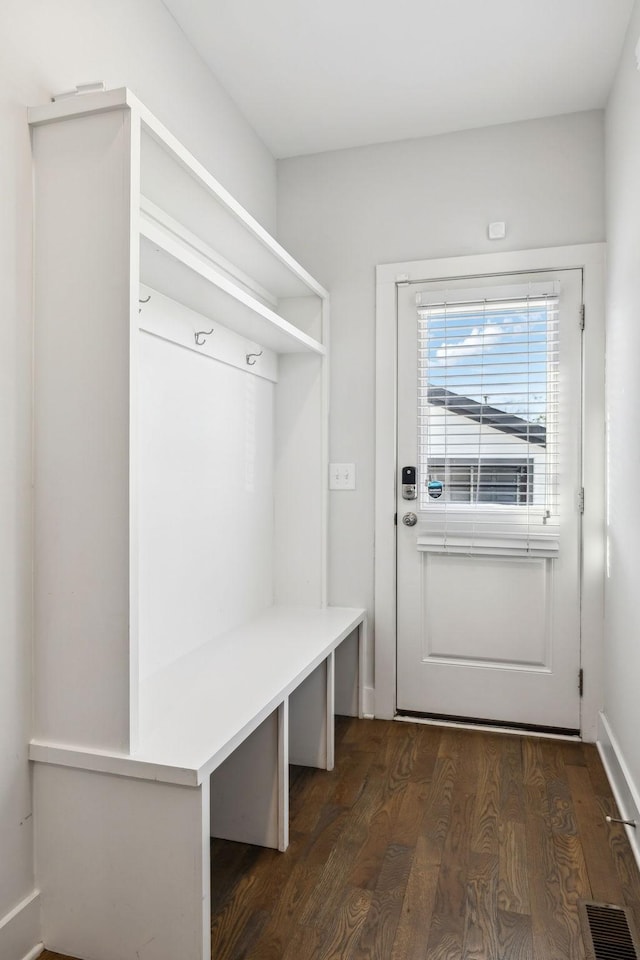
[{"x": 591, "y": 258}]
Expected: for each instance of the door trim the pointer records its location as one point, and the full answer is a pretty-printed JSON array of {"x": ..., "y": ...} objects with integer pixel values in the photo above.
[{"x": 591, "y": 258}]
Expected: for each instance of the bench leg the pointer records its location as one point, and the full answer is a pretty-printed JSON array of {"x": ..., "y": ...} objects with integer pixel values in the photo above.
[
  {"x": 348, "y": 675},
  {"x": 123, "y": 866},
  {"x": 311, "y": 719},
  {"x": 250, "y": 789},
  {"x": 351, "y": 657}
]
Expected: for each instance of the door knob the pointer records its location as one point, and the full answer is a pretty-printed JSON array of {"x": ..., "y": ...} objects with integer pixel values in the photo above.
[{"x": 409, "y": 519}]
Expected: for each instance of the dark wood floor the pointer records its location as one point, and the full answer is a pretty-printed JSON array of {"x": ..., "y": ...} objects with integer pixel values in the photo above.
[{"x": 428, "y": 843}]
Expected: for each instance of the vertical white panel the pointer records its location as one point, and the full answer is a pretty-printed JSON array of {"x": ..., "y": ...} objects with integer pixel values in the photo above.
[
  {"x": 82, "y": 292},
  {"x": 283, "y": 775},
  {"x": 347, "y": 669},
  {"x": 324, "y": 452},
  {"x": 206, "y": 500},
  {"x": 123, "y": 866},
  {"x": 300, "y": 481},
  {"x": 311, "y": 719},
  {"x": 134, "y": 284},
  {"x": 246, "y": 789},
  {"x": 330, "y": 711}
]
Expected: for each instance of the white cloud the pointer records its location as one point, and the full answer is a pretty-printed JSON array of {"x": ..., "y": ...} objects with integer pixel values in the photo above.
[{"x": 473, "y": 345}]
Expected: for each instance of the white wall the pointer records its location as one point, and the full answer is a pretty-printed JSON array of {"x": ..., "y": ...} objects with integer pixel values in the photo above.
[
  {"x": 622, "y": 599},
  {"x": 421, "y": 199},
  {"x": 45, "y": 48}
]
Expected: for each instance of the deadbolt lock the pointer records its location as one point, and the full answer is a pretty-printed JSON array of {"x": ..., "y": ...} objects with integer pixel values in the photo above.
[{"x": 409, "y": 487}]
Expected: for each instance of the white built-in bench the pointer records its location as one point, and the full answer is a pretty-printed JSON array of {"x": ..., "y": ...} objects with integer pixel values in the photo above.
[
  {"x": 180, "y": 486},
  {"x": 217, "y": 732}
]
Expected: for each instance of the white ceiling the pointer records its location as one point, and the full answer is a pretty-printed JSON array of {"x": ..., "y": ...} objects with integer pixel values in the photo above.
[{"x": 314, "y": 75}]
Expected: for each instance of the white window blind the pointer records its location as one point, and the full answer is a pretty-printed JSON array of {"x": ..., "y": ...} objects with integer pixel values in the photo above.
[{"x": 488, "y": 420}]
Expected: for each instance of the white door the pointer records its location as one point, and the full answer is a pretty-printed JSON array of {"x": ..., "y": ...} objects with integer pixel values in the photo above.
[{"x": 488, "y": 569}]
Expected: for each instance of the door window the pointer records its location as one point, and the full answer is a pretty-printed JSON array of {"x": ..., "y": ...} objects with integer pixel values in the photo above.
[{"x": 488, "y": 405}]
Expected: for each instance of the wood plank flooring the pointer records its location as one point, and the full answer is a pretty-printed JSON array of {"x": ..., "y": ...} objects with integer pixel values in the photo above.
[{"x": 428, "y": 843}]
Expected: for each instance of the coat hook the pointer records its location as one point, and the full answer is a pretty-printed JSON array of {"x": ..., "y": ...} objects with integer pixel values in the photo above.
[
  {"x": 143, "y": 301},
  {"x": 202, "y": 333},
  {"x": 252, "y": 357}
]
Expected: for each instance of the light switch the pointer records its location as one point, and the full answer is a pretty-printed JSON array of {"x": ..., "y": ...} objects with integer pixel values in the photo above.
[{"x": 342, "y": 476}]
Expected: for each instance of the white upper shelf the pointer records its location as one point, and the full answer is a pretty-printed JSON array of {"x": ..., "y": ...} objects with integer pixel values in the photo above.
[
  {"x": 177, "y": 270},
  {"x": 247, "y": 244}
]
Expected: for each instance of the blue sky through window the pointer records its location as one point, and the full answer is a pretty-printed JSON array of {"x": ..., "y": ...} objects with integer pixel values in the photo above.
[{"x": 499, "y": 354}]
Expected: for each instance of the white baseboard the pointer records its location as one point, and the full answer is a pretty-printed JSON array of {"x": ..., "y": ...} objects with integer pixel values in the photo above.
[
  {"x": 35, "y": 952},
  {"x": 20, "y": 930},
  {"x": 622, "y": 785}
]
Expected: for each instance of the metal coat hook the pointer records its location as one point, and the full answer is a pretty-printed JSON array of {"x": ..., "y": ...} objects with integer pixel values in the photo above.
[
  {"x": 252, "y": 357},
  {"x": 143, "y": 301},
  {"x": 202, "y": 333}
]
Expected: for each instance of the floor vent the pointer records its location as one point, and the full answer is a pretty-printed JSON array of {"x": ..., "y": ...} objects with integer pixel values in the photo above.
[{"x": 608, "y": 932}]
